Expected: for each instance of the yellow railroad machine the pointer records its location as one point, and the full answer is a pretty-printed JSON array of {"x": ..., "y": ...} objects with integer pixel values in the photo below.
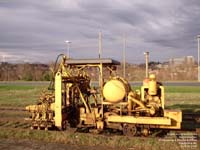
[{"x": 112, "y": 104}]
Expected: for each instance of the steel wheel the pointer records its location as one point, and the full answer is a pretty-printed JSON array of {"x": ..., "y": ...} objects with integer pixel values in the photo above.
[{"x": 129, "y": 130}]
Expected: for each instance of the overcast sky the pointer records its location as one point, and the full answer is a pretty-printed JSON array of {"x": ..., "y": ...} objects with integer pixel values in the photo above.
[{"x": 36, "y": 30}]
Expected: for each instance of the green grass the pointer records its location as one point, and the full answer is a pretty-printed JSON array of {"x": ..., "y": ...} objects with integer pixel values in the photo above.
[
  {"x": 25, "y": 94},
  {"x": 182, "y": 89},
  {"x": 183, "y": 101},
  {"x": 177, "y": 89},
  {"x": 19, "y": 95}
]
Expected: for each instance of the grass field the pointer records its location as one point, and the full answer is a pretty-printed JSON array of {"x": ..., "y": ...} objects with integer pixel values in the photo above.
[
  {"x": 185, "y": 98},
  {"x": 25, "y": 94},
  {"x": 20, "y": 95}
]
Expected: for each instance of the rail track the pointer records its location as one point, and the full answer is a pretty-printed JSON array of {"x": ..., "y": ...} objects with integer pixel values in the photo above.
[
  {"x": 14, "y": 124},
  {"x": 191, "y": 122},
  {"x": 13, "y": 108},
  {"x": 189, "y": 116},
  {"x": 14, "y": 117}
]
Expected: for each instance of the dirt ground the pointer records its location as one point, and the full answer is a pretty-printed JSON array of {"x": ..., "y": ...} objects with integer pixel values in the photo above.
[{"x": 11, "y": 144}]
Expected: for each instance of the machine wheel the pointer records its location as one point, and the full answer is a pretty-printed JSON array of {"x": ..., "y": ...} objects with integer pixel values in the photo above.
[{"x": 129, "y": 130}]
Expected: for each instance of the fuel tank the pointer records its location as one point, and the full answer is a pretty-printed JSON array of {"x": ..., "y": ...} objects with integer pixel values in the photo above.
[{"x": 115, "y": 90}]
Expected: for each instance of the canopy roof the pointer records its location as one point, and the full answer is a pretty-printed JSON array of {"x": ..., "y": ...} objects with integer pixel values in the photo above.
[{"x": 103, "y": 61}]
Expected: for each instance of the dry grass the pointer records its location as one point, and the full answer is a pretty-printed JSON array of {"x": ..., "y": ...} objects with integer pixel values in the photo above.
[{"x": 115, "y": 142}]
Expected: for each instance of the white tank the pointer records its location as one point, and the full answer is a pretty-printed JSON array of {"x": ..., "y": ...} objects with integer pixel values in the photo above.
[{"x": 115, "y": 90}]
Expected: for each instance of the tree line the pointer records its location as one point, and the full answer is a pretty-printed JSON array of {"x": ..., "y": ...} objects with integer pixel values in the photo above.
[
  {"x": 27, "y": 72},
  {"x": 134, "y": 72}
]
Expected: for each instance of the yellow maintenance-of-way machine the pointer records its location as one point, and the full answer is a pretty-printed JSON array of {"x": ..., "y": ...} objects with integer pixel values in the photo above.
[{"x": 112, "y": 104}]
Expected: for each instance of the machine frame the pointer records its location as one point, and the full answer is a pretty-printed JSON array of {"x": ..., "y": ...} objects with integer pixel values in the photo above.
[{"x": 69, "y": 105}]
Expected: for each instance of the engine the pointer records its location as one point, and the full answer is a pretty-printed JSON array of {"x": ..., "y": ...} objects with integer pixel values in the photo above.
[{"x": 148, "y": 102}]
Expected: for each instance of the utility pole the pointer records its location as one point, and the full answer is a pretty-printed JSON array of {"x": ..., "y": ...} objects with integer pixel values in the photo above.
[
  {"x": 3, "y": 59},
  {"x": 100, "y": 45},
  {"x": 124, "y": 56},
  {"x": 198, "y": 63},
  {"x": 100, "y": 66},
  {"x": 68, "y": 45},
  {"x": 147, "y": 63}
]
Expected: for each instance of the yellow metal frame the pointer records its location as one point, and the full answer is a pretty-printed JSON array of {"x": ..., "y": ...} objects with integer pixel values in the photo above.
[
  {"x": 58, "y": 100},
  {"x": 175, "y": 116},
  {"x": 63, "y": 72},
  {"x": 140, "y": 120},
  {"x": 172, "y": 120}
]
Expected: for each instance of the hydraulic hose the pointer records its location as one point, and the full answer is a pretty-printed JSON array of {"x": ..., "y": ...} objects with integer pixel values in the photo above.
[{"x": 51, "y": 85}]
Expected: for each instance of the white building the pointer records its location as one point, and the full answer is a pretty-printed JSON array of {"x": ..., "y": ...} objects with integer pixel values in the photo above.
[{"x": 187, "y": 60}]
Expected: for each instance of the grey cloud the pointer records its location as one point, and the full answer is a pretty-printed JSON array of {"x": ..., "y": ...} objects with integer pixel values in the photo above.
[{"x": 32, "y": 27}]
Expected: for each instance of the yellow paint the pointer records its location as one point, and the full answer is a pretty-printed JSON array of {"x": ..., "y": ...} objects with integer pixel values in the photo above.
[
  {"x": 152, "y": 87},
  {"x": 114, "y": 91},
  {"x": 58, "y": 100},
  {"x": 140, "y": 120},
  {"x": 117, "y": 95}
]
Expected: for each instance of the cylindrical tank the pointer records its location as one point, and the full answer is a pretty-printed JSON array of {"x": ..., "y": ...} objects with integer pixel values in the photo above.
[
  {"x": 115, "y": 90},
  {"x": 152, "y": 85}
]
